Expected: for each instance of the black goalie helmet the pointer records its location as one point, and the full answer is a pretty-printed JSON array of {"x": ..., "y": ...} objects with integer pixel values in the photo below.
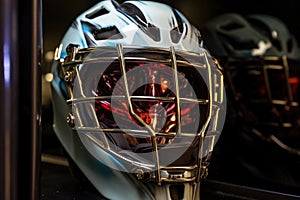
[
  {"x": 260, "y": 58},
  {"x": 138, "y": 102}
]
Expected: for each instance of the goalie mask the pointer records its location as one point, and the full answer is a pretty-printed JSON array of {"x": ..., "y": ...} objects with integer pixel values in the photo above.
[
  {"x": 260, "y": 58},
  {"x": 138, "y": 102}
]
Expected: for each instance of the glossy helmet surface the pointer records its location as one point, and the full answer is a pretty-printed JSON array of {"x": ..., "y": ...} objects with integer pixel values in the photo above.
[
  {"x": 138, "y": 102},
  {"x": 260, "y": 58}
]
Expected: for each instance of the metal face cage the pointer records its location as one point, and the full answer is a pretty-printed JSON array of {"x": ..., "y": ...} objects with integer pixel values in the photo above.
[
  {"x": 157, "y": 112},
  {"x": 266, "y": 90}
]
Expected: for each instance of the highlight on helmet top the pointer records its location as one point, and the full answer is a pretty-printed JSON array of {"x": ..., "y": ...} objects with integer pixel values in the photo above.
[
  {"x": 138, "y": 102},
  {"x": 260, "y": 58}
]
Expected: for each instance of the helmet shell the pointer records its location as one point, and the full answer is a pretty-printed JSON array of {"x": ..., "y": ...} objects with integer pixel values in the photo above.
[
  {"x": 132, "y": 23},
  {"x": 233, "y": 35}
]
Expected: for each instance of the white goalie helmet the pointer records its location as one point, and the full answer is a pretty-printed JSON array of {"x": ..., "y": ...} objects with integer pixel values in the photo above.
[{"x": 138, "y": 102}]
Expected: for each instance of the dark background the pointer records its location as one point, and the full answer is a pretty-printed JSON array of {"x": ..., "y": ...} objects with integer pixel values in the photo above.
[{"x": 57, "y": 15}]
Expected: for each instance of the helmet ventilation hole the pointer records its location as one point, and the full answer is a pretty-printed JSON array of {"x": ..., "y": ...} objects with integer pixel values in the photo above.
[{"x": 97, "y": 13}]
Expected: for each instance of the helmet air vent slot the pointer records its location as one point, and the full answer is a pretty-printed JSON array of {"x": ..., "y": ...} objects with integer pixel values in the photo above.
[
  {"x": 111, "y": 32},
  {"x": 97, "y": 13}
]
